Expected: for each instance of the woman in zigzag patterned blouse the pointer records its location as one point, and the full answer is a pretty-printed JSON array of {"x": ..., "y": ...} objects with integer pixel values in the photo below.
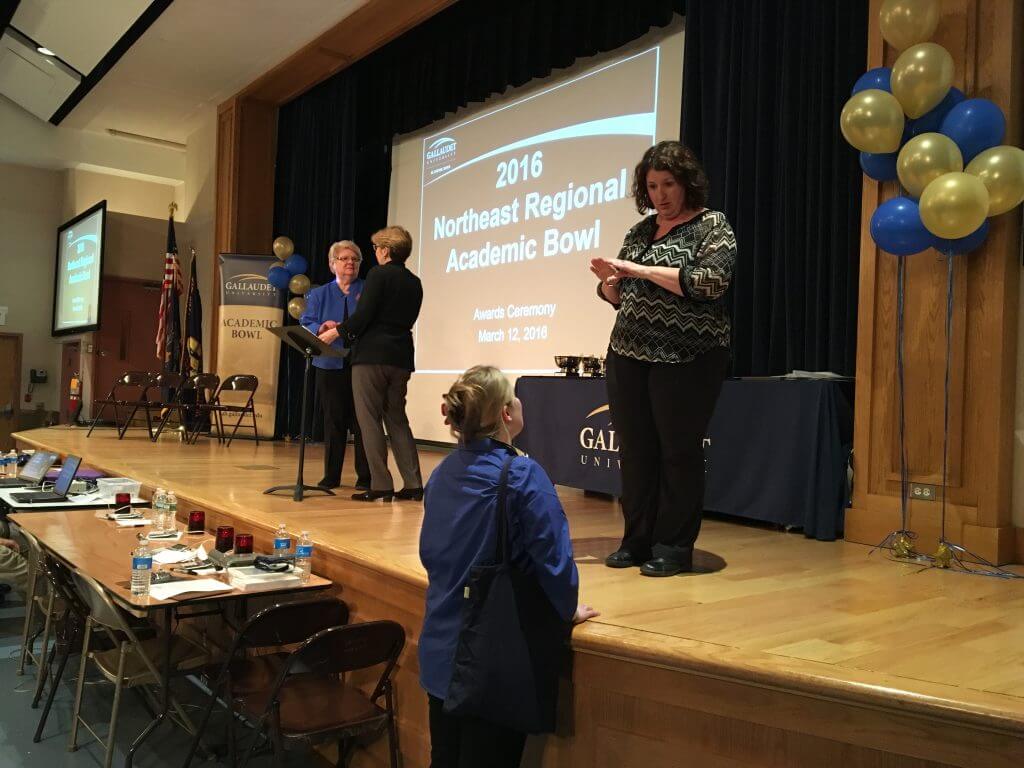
[{"x": 668, "y": 355}]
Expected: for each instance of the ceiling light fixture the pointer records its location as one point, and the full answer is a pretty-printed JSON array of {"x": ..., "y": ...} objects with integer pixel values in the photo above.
[{"x": 45, "y": 51}]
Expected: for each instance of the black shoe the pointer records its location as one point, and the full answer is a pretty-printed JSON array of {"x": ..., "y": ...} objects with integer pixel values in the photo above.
[
  {"x": 373, "y": 495},
  {"x": 410, "y": 494},
  {"x": 362, "y": 485},
  {"x": 661, "y": 566},
  {"x": 622, "y": 559},
  {"x": 324, "y": 483}
]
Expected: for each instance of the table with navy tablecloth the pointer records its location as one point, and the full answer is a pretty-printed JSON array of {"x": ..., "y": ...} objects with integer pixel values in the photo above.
[{"x": 777, "y": 449}]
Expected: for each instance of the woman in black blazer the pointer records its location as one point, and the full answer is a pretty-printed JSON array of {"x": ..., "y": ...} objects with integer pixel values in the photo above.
[{"x": 382, "y": 361}]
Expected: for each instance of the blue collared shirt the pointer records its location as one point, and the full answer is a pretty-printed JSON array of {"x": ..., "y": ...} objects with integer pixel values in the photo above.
[
  {"x": 328, "y": 303},
  {"x": 459, "y": 531}
]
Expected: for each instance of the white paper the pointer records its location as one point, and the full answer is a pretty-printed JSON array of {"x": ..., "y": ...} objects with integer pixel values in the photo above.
[
  {"x": 160, "y": 537},
  {"x": 172, "y": 588},
  {"x": 133, "y": 522},
  {"x": 171, "y": 556}
]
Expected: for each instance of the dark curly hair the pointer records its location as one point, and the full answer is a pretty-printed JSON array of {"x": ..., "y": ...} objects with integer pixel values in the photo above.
[{"x": 678, "y": 160}]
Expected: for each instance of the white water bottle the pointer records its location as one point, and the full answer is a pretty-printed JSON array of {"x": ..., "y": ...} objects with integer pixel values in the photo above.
[
  {"x": 304, "y": 556},
  {"x": 171, "y": 507},
  {"x": 142, "y": 567},
  {"x": 282, "y": 541},
  {"x": 159, "y": 510},
  {"x": 12, "y": 464}
]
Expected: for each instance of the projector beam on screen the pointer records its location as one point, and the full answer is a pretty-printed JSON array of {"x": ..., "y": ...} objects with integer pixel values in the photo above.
[
  {"x": 508, "y": 203},
  {"x": 78, "y": 272}
]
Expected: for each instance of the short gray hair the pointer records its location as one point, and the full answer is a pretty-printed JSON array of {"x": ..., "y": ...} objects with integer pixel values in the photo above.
[{"x": 344, "y": 245}]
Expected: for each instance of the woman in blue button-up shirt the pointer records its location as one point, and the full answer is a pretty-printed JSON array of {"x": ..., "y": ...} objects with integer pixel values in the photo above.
[
  {"x": 327, "y": 307},
  {"x": 459, "y": 532}
]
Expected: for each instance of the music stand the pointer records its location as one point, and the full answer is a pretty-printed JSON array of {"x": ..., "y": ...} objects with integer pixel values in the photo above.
[{"x": 309, "y": 346}]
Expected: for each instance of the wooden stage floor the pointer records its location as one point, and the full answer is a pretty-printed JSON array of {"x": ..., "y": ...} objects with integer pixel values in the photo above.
[{"x": 786, "y": 652}]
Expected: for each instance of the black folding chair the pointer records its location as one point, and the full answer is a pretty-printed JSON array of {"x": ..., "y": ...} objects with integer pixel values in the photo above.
[
  {"x": 139, "y": 381},
  {"x": 250, "y": 668},
  {"x": 238, "y": 383},
  {"x": 190, "y": 393},
  {"x": 310, "y": 702}
]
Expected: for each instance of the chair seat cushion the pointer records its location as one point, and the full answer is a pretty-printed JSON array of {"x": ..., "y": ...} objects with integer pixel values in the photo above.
[{"x": 313, "y": 704}]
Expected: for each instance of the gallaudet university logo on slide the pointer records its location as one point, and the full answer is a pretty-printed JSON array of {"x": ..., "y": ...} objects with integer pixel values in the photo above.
[
  {"x": 249, "y": 288},
  {"x": 439, "y": 155},
  {"x": 598, "y": 445}
]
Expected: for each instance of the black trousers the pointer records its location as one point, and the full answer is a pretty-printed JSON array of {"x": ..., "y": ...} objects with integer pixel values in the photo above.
[
  {"x": 335, "y": 388},
  {"x": 661, "y": 412},
  {"x": 468, "y": 742},
  {"x": 380, "y": 392}
]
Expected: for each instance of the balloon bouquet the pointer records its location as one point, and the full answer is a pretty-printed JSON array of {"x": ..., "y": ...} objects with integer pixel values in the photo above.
[
  {"x": 289, "y": 274},
  {"x": 911, "y": 125}
]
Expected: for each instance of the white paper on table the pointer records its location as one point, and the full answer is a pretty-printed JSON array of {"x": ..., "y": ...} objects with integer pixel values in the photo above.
[
  {"x": 171, "y": 556},
  {"x": 172, "y": 588},
  {"x": 134, "y": 522},
  {"x": 152, "y": 536}
]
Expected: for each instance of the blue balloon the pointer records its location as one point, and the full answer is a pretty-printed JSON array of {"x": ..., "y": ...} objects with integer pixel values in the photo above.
[
  {"x": 962, "y": 244},
  {"x": 896, "y": 227},
  {"x": 975, "y": 125},
  {"x": 880, "y": 167},
  {"x": 296, "y": 265},
  {"x": 931, "y": 122},
  {"x": 879, "y": 78},
  {"x": 279, "y": 277}
]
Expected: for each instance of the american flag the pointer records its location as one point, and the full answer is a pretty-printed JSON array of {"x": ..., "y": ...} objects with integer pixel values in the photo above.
[{"x": 168, "y": 332}]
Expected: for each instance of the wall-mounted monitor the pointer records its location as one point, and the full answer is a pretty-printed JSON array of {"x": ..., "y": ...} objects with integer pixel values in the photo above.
[{"x": 79, "y": 271}]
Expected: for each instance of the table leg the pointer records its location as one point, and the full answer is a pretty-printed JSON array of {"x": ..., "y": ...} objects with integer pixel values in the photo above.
[{"x": 165, "y": 702}]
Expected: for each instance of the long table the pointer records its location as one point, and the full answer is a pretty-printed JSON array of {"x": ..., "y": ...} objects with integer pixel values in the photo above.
[
  {"x": 101, "y": 550},
  {"x": 776, "y": 451}
]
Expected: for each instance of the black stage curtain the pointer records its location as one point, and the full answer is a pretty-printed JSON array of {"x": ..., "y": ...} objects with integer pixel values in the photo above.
[
  {"x": 764, "y": 83},
  {"x": 334, "y": 142}
]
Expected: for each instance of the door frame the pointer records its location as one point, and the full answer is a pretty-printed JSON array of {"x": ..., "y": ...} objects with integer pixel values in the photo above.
[
  {"x": 20, "y": 339},
  {"x": 146, "y": 282}
]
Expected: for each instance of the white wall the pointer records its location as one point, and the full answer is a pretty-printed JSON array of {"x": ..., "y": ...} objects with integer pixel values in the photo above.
[
  {"x": 62, "y": 173},
  {"x": 30, "y": 212}
]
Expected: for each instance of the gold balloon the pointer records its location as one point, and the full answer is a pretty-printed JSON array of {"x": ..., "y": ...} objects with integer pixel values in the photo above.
[
  {"x": 296, "y": 307},
  {"x": 926, "y": 157},
  {"x": 1001, "y": 170},
  {"x": 921, "y": 78},
  {"x": 283, "y": 247},
  {"x": 872, "y": 121},
  {"x": 299, "y": 284},
  {"x": 954, "y": 205},
  {"x": 908, "y": 22}
]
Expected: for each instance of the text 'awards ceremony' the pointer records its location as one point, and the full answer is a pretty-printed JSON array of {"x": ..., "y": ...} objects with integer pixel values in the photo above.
[{"x": 512, "y": 383}]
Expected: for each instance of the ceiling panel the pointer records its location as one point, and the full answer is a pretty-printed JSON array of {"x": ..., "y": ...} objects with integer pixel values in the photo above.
[
  {"x": 197, "y": 54},
  {"x": 78, "y": 31},
  {"x": 31, "y": 80}
]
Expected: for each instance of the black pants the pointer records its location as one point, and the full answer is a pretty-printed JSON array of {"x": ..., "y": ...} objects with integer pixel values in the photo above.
[
  {"x": 467, "y": 742},
  {"x": 335, "y": 388},
  {"x": 661, "y": 413}
]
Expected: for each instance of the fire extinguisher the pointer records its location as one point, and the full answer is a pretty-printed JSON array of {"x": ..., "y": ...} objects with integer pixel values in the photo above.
[{"x": 75, "y": 398}]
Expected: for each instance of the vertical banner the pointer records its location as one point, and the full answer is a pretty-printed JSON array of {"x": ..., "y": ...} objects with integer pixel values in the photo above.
[{"x": 249, "y": 305}]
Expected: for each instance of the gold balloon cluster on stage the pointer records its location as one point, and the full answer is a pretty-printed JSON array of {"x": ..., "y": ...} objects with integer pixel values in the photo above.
[
  {"x": 953, "y": 200},
  {"x": 288, "y": 274},
  {"x": 911, "y": 125}
]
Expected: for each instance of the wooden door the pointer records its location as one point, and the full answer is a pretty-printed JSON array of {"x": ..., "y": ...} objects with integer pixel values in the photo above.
[
  {"x": 70, "y": 367},
  {"x": 126, "y": 340},
  {"x": 10, "y": 387}
]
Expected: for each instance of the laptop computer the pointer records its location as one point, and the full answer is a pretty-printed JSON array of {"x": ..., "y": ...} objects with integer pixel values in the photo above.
[
  {"x": 59, "y": 493},
  {"x": 33, "y": 472}
]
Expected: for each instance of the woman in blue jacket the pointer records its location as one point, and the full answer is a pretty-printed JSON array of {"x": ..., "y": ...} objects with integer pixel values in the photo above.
[{"x": 459, "y": 532}]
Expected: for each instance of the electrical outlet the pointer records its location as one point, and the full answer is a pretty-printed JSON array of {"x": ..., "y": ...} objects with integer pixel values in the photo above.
[{"x": 923, "y": 492}]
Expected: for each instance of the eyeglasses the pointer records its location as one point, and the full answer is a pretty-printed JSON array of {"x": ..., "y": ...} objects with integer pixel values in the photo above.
[{"x": 348, "y": 259}]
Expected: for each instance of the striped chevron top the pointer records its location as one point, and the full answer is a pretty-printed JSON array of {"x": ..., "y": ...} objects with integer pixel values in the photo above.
[{"x": 658, "y": 326}]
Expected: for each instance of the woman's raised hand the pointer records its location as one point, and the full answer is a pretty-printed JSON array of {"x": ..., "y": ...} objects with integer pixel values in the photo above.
[{"x": 604, "y": 270}]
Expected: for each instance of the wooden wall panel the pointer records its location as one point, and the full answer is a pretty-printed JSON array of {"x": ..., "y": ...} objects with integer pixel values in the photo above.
[{"x": 983, "y": 38}]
